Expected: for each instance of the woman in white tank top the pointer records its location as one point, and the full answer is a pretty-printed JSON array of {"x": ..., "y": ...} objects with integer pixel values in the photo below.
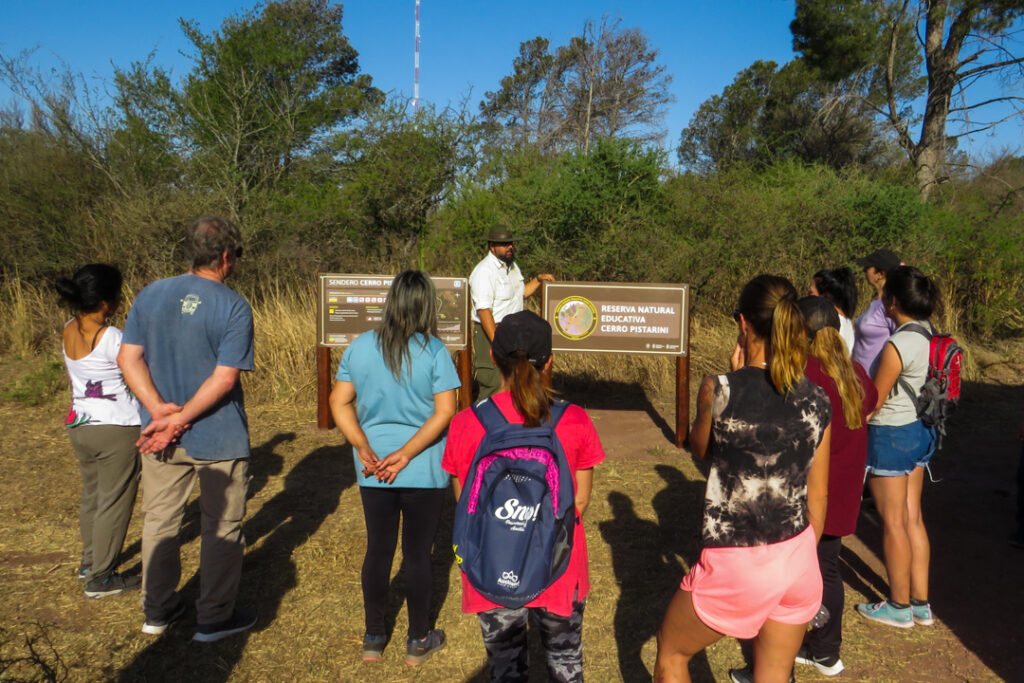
[{"x": 103, "y": 425}]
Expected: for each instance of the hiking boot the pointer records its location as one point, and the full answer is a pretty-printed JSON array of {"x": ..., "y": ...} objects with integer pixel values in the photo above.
[
  {"x": 240, "y": 620},
  {"x": 419, "y": 651},
  {"x": 884, "y": 613},
  {"x": 829, "y": 666},
  {"x": 373, "y": 647},
  {"x": 746, "y": 675},
  {"x": 156, "y": 627},
  {"x": 112, "y": 584},
  {"x": 922, "y": 614}
]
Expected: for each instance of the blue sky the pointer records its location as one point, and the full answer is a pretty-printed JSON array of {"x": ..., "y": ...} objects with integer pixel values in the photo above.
[{"x": 466, "y": 45}]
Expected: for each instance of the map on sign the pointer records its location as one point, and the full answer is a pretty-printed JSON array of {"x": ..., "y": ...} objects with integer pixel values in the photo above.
[
  {"x": 575, "y": 317},
  {"x": 353, "y": 304}
]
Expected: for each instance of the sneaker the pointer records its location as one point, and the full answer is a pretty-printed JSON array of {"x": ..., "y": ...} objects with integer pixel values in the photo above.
[
  {"x": 373, "y": 647},
  {"x": 922, "y": 614},
  {"x": 240, "y": 620},
  {"x": 112, "y": 584},
  {"x": 829, "y": 666},
  {"x": 83, "y": 572},
  {"x": 746, "y": 675},
  {"x": 156, "y": 627},
  {"x": 419, "y": 651},
  {"x": 884, "y": 613}
]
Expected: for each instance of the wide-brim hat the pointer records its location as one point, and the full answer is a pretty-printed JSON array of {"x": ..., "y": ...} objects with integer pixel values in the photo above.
[
  {"x": 882, "y": 259},
  {"x": 499, "y": 233},
  {"x": 523, "y": 335}
]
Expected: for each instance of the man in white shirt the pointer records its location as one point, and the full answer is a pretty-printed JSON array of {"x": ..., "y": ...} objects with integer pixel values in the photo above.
[{"x": 497, "y": 289}]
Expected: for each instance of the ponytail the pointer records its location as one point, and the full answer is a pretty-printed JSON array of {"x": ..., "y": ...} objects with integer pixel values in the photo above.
[
  {"x": 788, "y": 345},
  {"x": 531, "y": 398},
  {"x": 830, "y": 350}
]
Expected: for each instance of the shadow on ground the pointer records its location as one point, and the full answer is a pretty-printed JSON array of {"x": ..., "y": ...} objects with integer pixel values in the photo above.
[
  {"x": 649, "y": 559},
  {"x": 969, "y": 513},
  {"x": 282, "y": 524}
]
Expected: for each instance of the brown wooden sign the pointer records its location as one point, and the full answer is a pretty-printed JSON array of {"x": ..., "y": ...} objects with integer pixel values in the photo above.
[
  {"x": 607, "y": 317},
  {"x": 353, "y": 304}
]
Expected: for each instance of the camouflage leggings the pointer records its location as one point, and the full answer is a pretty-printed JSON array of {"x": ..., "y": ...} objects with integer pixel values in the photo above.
[{"x": 504, "y": 632}]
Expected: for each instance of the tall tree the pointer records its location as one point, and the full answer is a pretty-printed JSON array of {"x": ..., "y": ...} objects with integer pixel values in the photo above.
[
  {"x": 959, "y": 42},
  {"x": 768, "y": 114},
  {"x": 606, "y": 83},
  {"x": 264, "y": 89}
]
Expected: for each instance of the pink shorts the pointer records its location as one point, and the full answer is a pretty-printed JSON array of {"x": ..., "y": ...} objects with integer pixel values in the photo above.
[{"x": 735, "y": 590}]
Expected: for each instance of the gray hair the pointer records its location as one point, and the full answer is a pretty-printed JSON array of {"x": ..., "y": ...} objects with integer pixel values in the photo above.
[{"x": 210, "y": 237}]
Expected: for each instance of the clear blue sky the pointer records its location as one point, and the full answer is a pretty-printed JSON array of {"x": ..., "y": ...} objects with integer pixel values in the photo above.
[{"x": 466, "y": 45}]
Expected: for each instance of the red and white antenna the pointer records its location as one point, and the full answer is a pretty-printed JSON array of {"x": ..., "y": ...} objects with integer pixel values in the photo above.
[{"x": 416, "y": 76}]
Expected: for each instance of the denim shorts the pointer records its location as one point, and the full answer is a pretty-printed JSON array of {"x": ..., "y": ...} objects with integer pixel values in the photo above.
[{"x": 896, "y": 451}]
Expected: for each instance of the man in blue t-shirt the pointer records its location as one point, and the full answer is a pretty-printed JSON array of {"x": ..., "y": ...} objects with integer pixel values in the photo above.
[{"x": 186, "y": 341}]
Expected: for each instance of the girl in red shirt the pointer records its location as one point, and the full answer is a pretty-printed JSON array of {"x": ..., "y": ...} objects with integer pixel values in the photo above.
[{"x": 521, "y": 350}]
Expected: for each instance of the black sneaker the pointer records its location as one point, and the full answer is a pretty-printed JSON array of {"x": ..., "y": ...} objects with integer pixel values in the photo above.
[
  {"x": 419, "y": 651},
  {"x": 112, "y": 584},
  {"x": 83, "y": 572},
  {"x": 373, "y": 647},
  {"x": 746, "y": 675},
  {"x": 829, "y": 666},
  {"x": 156, "y": 627},
  {"x": 241, "y": 620}
]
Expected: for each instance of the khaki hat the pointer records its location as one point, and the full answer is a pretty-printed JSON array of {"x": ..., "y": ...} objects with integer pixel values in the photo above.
[{"x": 499, "y": 233}]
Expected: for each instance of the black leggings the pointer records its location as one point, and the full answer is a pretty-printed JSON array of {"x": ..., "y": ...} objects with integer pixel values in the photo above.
[{"x": 420, "y": 510}]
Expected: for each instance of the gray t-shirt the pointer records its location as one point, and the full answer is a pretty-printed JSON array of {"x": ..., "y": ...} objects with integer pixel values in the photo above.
[
  {"x": 899, "y": 408},
  {"x": 187, "y": 326}
]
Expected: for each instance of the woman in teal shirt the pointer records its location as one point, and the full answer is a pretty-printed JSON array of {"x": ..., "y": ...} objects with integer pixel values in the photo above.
[{"x": 405, "y": 382}]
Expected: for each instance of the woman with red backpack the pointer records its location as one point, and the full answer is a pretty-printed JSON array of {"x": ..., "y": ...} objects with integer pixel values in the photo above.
[
  {"x": 900, "y": 447},
  {"x": 521, "y": 350}
]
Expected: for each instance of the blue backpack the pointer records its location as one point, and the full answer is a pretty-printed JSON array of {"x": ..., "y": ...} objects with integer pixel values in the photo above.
[{"x": 516, "y": 517}]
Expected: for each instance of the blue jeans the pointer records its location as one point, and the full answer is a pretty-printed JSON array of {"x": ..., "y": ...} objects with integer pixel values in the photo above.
[{"x": 896, "y": 451}]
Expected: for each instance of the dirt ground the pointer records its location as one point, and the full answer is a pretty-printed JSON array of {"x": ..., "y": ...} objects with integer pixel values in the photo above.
[{"x": 305, "y": 542}]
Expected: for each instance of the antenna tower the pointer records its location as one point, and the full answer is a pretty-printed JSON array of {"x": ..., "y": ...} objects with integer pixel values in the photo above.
[{"x": 416, "y": 62}]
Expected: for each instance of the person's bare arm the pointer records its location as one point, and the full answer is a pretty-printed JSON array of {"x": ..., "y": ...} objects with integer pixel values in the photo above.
[
  {"x": 159, "y": 434},
  {"x": 444, "y": 411},
  {"x": 343, "y": 408},
  {"x": 890, "y": 365},
  {"x": 533, "y": 285},
  {"x": 700, "y": 432},
  {"x": 456, "y": 487},
  {"x": 817, "y": 484},
  {"x": 584, "y": 485},
  {"x": 132, "y": 361},
  {"x": 487, "y": 321}
]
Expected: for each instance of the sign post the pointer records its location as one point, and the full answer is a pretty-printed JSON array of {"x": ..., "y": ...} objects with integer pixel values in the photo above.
[
  {"x": 639, "y": 318},
  {"x": 352, "y": 304}
]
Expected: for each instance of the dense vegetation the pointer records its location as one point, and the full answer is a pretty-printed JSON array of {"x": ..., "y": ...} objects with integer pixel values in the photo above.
[{"x": 276, "y": 127}]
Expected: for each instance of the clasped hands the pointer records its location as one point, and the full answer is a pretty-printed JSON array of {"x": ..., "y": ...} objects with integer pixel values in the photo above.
[
  {"x": 163, "y": 430},
  {"x": 384, "y": 470}
]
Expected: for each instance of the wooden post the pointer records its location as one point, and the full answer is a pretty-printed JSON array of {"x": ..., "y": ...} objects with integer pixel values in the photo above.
[
  {"x": 682, "y": 400},
  {"x": 464, "y": 365},
  {"x": 324, "y": 419}
]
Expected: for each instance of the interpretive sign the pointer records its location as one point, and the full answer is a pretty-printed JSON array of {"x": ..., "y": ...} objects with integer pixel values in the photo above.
[
  {"x": 353, "y": 304},
  {"x": 608, "y": 317}
]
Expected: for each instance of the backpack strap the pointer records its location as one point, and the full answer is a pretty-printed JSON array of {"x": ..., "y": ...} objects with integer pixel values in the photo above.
[
  {"x": 920, "y": 329},
  {"x": 491, "y": 417},
  {"x": 489, "y": 414}
]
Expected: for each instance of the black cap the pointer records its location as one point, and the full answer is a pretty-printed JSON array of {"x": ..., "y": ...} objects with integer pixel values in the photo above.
[
  {"x": 819, "y": 313},
  {"x": 882, "y": 259},
  {"x": 499, "y": 233},
  {"x": 523, "y": 335}
]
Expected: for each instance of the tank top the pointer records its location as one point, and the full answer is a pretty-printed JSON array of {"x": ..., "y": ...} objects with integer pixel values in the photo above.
[
  {"x": 98, "y": 392},
  {"x": 763, "y": 443}
]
